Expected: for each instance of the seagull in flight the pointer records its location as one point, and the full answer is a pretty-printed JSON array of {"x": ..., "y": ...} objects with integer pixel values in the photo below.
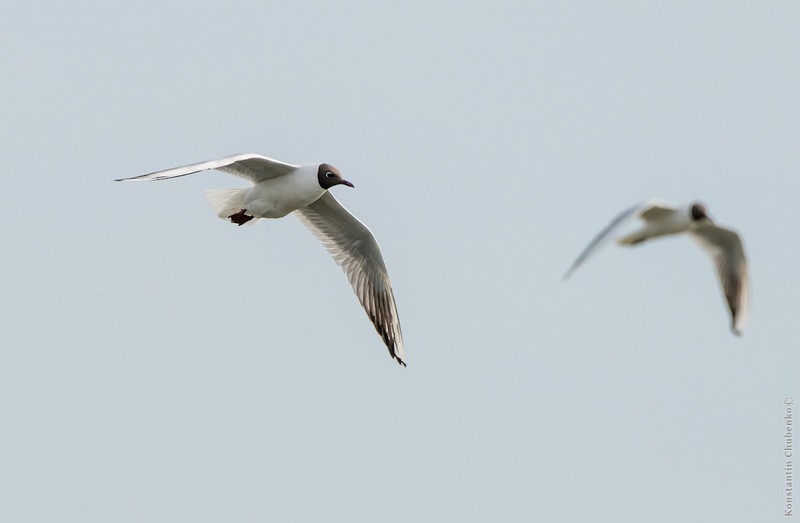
[
  {"x": 279, "y": 189},
  {"x": 658, "y": 218}
]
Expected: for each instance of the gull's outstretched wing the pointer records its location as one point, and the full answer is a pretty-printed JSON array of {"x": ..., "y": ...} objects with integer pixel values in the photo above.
[
  {"x": 727, "y": 252},
  {"x": 648, "y": 211},
  {"x": 353, "y": 246},
  {"x": 252, "y": 167}
]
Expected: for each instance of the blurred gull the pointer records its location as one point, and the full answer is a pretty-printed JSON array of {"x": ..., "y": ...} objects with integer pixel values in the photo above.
[
  {"x": 279, "y": 189},
  {"x": 723, "y": 245}
]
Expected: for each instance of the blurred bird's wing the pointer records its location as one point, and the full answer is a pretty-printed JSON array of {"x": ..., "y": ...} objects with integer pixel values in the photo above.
[
  {"x": 727, "y": 252},
  {"x": 648, "y": 211}
]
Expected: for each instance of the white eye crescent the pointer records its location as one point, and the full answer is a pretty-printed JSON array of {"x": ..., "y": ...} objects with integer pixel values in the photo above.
[{"x": 328, "y": 174}]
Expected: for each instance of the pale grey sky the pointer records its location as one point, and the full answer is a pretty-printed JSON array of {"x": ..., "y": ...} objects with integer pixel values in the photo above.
[{"x": 159, "y": 364}]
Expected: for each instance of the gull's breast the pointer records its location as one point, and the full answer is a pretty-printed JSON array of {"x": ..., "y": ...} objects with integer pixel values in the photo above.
[{"x": 277, "y": 197}]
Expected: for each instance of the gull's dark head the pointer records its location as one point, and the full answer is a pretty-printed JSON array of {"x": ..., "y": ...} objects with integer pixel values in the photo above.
[
  {"x": 699, "y": 212},
  {"x": 328, "y": 176}
]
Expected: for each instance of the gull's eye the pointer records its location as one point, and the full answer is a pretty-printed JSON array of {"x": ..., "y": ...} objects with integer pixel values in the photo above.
[{"x": 328, "y": 174}]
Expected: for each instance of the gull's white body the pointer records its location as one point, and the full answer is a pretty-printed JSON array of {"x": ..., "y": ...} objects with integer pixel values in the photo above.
[
  {"x": 277, "y": 197},
  {"x": 279, "y": 189},
  {"x": 660, "y": 219},
  {"x": 724, "y": 246}
]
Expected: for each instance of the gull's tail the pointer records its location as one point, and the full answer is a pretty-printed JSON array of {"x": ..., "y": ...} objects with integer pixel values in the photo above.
[{"x": 226, "y": 202}]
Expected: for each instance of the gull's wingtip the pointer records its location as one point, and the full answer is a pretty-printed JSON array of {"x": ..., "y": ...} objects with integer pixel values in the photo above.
[
  {"x": 399, "y": 359},
  {"x": 144, "y": 178}
]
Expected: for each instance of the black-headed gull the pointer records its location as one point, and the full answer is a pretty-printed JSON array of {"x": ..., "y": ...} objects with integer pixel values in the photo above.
[
  {"x": 279, "y": 189},
  {"x": 724, "y": 245}
]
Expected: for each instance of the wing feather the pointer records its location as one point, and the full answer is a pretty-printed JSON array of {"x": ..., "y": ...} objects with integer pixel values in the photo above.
[
  {"x": 353, "y": 247},
  {"x": 601, "y": 238},
  {"x": 252, "y": 167},
  {"x": 726, "y": 250},
  {"x": 647, "y": 211}
]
